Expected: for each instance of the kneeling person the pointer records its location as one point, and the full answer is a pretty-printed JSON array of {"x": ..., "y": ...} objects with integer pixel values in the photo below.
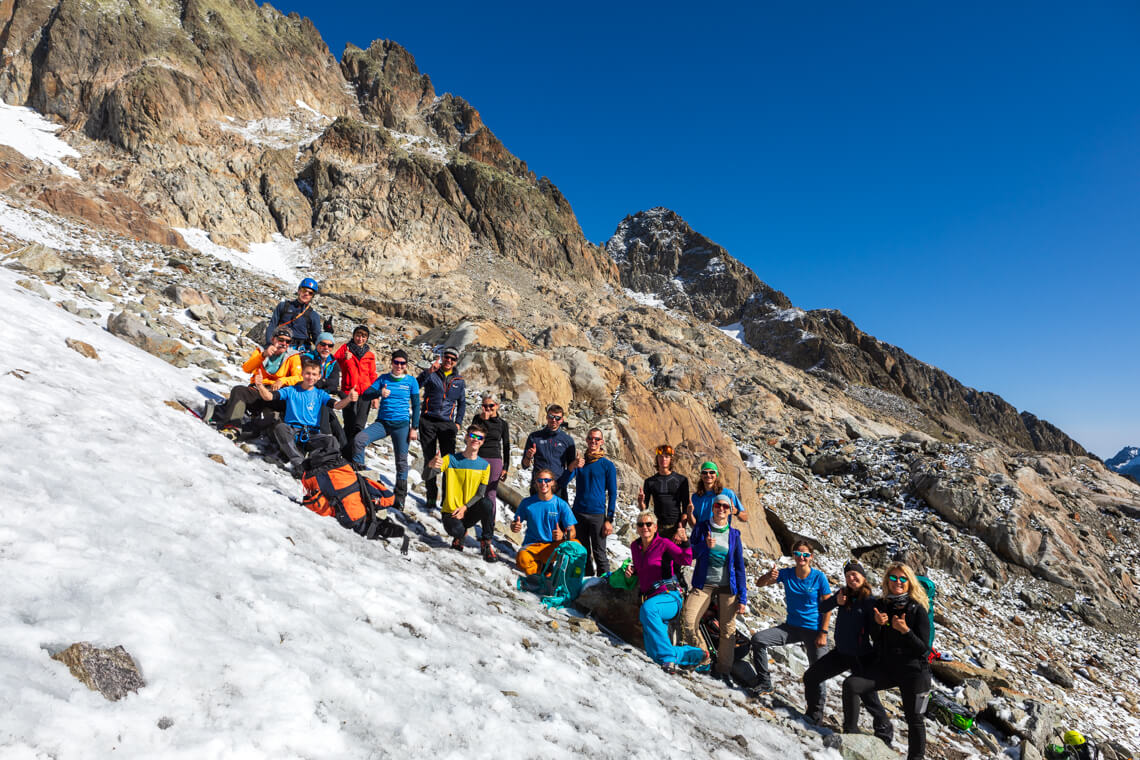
[
  {"x": 549, "y": 522},
  {"x": 465, "y": 502},
  {"x": 303, "y": 404}
]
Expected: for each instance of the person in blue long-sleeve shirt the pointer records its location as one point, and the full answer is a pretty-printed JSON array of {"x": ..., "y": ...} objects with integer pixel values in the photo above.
[
  {"x": 398, "y": 417},
  {"x": 595, "y": 499},
  {"x": 551, "y": 448}
]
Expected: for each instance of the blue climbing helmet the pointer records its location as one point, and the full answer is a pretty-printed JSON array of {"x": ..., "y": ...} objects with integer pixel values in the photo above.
[{"x": 311, "y": 284}]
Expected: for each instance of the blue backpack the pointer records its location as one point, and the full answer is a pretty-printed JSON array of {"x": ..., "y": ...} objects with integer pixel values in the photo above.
[
  {"x": 560, "y": 580},
  {"x": 930, "y": 589}
]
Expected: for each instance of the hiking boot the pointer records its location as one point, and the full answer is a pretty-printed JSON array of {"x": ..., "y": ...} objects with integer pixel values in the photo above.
[
  {"x": 400, "y": 494},
  {"x": 813, "y": 716},
  {"x": 430, "y": 504},
  {"x": 488, "y": 551},
  {"x": 230, "y": 431},
  {"x": 759, "y": 690},
  {"x": 208, "y": 410},
  {"x": 670, "y": 668},
  {"x": 457, "y": 544},
  {"x": 297, "y": 468}
]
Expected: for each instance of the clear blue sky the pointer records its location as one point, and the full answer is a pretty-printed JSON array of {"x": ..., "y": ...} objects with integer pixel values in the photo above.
[{"x": 961, "y": 179}]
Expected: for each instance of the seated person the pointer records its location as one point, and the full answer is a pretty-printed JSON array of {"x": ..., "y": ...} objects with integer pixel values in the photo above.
[
  {"x": 329, "y": 383},
  {"x": 549, "y": 522},
  {"x": 276, "y": 365},
  {"x": 303, "y": 403},
  {"x": 465, "y": 502}
]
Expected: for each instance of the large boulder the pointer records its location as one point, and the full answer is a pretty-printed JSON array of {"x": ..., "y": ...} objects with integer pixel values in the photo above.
[
  {"x": 133, "y": 330},
  {"x": 38, "y": 259},
  {"x": 618, "y": 610}
]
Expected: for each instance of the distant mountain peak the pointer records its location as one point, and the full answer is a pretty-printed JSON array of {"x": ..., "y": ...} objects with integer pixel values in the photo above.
[{"x": 1126, "y": 461}]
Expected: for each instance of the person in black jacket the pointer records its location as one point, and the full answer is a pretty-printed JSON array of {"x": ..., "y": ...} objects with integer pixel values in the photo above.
[
  {"x": 900, "y": 627},
  {"x": 299, "y": 316},
  {"x": 853, "y": 646},
  {"x": 496, "y": 448}
]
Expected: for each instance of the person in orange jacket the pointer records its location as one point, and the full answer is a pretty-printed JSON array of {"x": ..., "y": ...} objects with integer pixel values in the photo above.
[{"x": 275, "y": 366}]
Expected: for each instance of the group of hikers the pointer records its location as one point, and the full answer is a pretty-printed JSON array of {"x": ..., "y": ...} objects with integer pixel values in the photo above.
[{"x": 883, "y": 641}]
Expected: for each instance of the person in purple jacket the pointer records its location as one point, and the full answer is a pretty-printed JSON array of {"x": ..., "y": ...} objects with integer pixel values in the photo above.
[
  {"x": 660, "y": 592},
  {"x": 719, "y": 573}
]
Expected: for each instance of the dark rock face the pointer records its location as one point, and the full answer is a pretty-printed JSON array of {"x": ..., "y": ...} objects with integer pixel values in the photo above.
[
  {"x": 657, "y": 252},
  {"x": 390, "y": 88},
  {"x": 111, "y": 672}
]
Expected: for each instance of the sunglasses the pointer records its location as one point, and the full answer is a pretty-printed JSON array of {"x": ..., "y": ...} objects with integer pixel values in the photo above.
[
  {"x": 399, "y": 362},
  {"x": 722, "y": 506},
  {"x": 282, "y": 341},
  {"x": 555, "y": 417},
  {"x": 325, "y": 345},
  {"x": 490, "y": 406},
  {"x": 801, "y": 555},
  {"x": 593, "y": 440},
  {"x": 544, "y": 480},
  {"x": 664, "y": 451},
  {"x": 448, "y": 359},
  {"x": 475, "y": 436},
  {"x": 898, "y": 579},
  {"x": 645, "y": 524},
  {"x": 307, "y": 290},
  {"x": 708, "y": 472}
]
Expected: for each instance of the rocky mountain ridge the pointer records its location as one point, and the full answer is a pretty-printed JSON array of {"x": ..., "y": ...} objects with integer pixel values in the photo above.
[{"x": 659, "y": 253}]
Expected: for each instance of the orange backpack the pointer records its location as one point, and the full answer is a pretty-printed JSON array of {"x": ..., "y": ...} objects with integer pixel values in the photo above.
[{"x": 351, "y": 498}]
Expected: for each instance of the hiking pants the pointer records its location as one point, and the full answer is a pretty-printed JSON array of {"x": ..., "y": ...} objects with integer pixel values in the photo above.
[
  {"x": 914, "y": 688},
  {"x": 381, "y": 429},
  {"x": 243, "y": 398},
  {"x": 330, "y": 425},
  {"x": 532, "y": 557},
  {"x": 827, "y": 667},
  {"x": 779, "y": 636},
  {"x": 493, "y": 482},
  {"x": 355, "y": 418},
  {"x": 435, "y": 432},
  {"x": 479, "y": 513},
  {"x": 589, "y": 534},
  {"x": 286, "y": 438},
  {"x": 696, "y": 604},
  {"x": 656, "y": 612}
]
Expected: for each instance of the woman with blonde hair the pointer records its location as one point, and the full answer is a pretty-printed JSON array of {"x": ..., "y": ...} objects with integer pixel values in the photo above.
[
  {"x": 900, "y": 627},
  {"x": 654, "y": 556}
]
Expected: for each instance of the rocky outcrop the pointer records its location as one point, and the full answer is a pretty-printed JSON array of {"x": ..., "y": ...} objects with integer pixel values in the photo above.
[
  {"x": 658, "y": 253},
  {"x": 138, "y": 72}
]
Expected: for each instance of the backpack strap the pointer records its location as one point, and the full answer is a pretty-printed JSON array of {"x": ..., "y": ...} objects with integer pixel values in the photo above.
[{"x": 294, "y": 319}]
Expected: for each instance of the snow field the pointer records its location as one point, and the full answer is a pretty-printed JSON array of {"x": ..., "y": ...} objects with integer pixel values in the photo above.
[
  {"x": 34, "y": 136},
  {"x": 262, "y": 629}
]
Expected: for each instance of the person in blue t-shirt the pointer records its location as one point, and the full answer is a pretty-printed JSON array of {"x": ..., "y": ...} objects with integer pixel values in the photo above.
[
  {"x": 549, "y": 522},
  {"x": 398, "y": 417},
  {"x": 804, "y": 587},
  {"x": 303, "y": 404}
]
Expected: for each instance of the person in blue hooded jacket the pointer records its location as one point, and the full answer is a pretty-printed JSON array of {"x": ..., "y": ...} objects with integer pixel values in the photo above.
[
  {"x": 719, "y": 573},
  {"x": 299, "y": 316}
]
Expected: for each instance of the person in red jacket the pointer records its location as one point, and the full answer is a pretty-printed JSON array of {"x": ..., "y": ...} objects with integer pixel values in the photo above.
[{"x": 357, "y": 373}]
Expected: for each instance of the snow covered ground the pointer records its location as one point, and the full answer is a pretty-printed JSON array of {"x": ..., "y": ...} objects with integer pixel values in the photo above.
[
  {"x": 280, "y": 257},
  {"x": 262, "y": 629},
  {"x": 34, "y": 136}
]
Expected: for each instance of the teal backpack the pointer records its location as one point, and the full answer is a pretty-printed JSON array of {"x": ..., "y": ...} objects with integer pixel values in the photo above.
[
  {"x": 560, "y": 580},
  {"x": 931, "y": 590}
]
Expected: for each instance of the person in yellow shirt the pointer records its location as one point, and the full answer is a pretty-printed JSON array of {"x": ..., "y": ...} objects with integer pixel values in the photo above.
[
  {"x": 275, "y": 366},
  {"x": 465, "y": 503}
]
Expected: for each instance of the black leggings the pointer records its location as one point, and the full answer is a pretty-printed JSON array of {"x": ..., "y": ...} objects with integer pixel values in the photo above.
[
  {"x": 479, "y": 513},
  {"x": 589, "y": 534},
  {"x": 435, "y": 433},
  {"x": 914, "y": 687},
  {"x": 827, "y": 667}
]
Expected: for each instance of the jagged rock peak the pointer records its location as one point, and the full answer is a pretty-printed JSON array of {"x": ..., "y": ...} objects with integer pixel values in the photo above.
[
  {"x": 134, "y": 71},
  {"x": 389, "y": 86},
  {"x": 658, "y": 252}
]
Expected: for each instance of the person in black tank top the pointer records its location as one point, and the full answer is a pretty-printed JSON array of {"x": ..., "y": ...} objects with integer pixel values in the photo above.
[{"x": 668, "y": 493}]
